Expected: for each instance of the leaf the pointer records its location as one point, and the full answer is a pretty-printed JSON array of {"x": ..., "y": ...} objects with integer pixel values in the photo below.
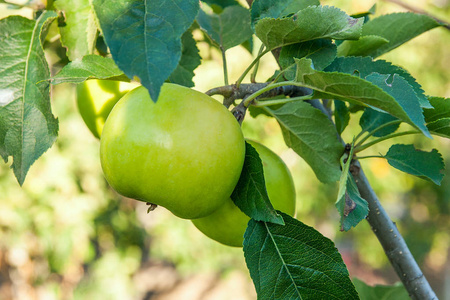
[
  {"x": 27, "y": 125},
  {"x": 351, "y": 207},
  {"x": 402, "y": 92},
  {"x": 315, "y": 22},
  {"x": 322, "y": 52},
  {"x": 295, "y": 262},
  {"x": 250, "y": 193},
  {"x": 362, "y": 47},
  {"x": 397, "y": 28},
  {"x": 190, "y": 60},
  {"x": 364, "y": 66},
  {"x": 228, "y": 29},
  {"x": 440, "y": 127},
  {"x": 80, "y": 31},
  {"x": 219, "y": 5},
  {"x": 89, "y": 67},
  {"x": 312, "y": 136},
  {"x": 145, "y": 36},
  {"x": 277, "y": 9},
  {"x": 372, "y": 119},
  {"x": 381, "y": 292},
  {"x": 341, "y": 115},
  {"x": 351, "y": 88},
  {"x": 426, "y": 165},
  {"x": 440, "y": 109}
]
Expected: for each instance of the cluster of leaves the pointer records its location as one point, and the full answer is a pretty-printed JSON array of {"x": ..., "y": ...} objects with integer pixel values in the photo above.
[{"x": 320, "y": 47}]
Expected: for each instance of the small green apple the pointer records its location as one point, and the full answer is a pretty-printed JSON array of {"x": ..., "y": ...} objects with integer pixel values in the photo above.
[
  {"x": 227, "y": 224},
  {"x": 184, "y": 152},
  {"x": 96, "y": 98}
]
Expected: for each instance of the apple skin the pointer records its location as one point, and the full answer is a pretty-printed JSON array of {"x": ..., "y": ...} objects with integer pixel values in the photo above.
[
  {"x": 96, "y": 98},
  {"x": 227, "y": 225},
  {"x": 184, "y": 152}
]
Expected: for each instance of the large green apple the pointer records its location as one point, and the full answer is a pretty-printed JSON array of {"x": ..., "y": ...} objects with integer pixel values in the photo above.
[
  {"x": 227, "y": 224},
  {"x": 96, "y": 98},
  {"x": 184, "y": 152}
]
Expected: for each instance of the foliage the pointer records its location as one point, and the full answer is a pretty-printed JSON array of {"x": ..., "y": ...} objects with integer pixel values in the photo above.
[{"x": 321, "y": 48}]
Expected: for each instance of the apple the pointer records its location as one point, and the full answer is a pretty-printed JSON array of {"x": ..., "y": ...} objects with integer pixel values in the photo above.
[
  {"x": 96, "y": 98},
  {"x": 227, "y": 225},
  {"x": 184, "y": 152}
]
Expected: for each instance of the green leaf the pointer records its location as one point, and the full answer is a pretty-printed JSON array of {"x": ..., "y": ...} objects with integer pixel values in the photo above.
[
  {"x": 250, "y": 193},
  {"x": 219, "y": 5},
  {"x": 402, "y": 92},
  {"x": 372, "y": 119},
  {"x": 190, "y": 60},
  {"x": 353, "y": 89},
  {"x": 440, "y": 127},
  {"x": 381, "y": 292},
  {"x": 228, "y": 29},
  {"x": 426, "y": 165},
  {"x": 351, "y": 207},
  {"x": 364, "y": 66},
  {"x": 397, "y": 28},
  {"x": 322, "y": 52},
  {"x": 27, "y": 125},
  {"x": 89, "y": 67},
  {"x": 278, "y": 9},
  {"x": 295, "y": 262},
  {"x": 440, "y": 109},
  {"x": 341, "y": 115},
  {"x": 145, "y": 36},
  {"x": 315, "y": 22},
  {"x": 362, "y": 47},
  {"x": 80, "y": 31},
  {"x": 312, "y": 136}
]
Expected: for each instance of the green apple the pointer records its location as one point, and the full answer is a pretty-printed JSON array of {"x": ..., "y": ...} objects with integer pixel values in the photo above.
[
  {"x": 184, "y": 152},
  {"x": 227, "y": 224},
  {"x": 96, "y": 98}
]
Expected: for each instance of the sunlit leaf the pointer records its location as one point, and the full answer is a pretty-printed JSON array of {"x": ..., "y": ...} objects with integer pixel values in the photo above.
[
  {"x": 27, "y": 125},
  {"x": 314, "y": 22},
  {"x": 362, "y": 47}
]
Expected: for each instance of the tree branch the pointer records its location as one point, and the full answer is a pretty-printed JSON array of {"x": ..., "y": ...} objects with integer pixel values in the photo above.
[{"x": 393, "y": 243}]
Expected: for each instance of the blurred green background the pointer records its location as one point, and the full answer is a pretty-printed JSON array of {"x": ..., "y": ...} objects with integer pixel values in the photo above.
[{"x": 66, "y": 235}]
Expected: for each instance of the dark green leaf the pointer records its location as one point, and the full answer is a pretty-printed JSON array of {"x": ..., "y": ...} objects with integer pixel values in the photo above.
[
  {"x": 90, "y": 67},
  {"x": 440, "y": 109},
  {"x": 278, "y": 9},
  {"x": 27, "y": 125},
  {"x": 397, "y": 28},
  {"x": 426, "y": 165},
  {"x": 364, "y": 66},
  {"x": 351, "y": 88},
  {"x": 250, "y": 193},
  {"x": 341, "y": 115},
  {"x": 402, "y": 92},
  {"x": 145, "y": 36},
  {"x": 80, "y": 31},
  {"x": 362, "y": 47},
  {"x": 322, "y": 52},
  {"x": 315, "y": 22},
  {"x": 381, "y": 292},
  {"x": 312, "y": 136},
  {"x": 372, "y": 119},
  {"x": 440, "y": 127},
  {"x": 190, "y": 60},
  {"x": 228, "y": 29},
  {"x": 295, "y": 262}
]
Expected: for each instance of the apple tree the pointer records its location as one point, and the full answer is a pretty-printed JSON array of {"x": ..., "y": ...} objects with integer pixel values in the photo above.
[{"x": 328, "y": 73}]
